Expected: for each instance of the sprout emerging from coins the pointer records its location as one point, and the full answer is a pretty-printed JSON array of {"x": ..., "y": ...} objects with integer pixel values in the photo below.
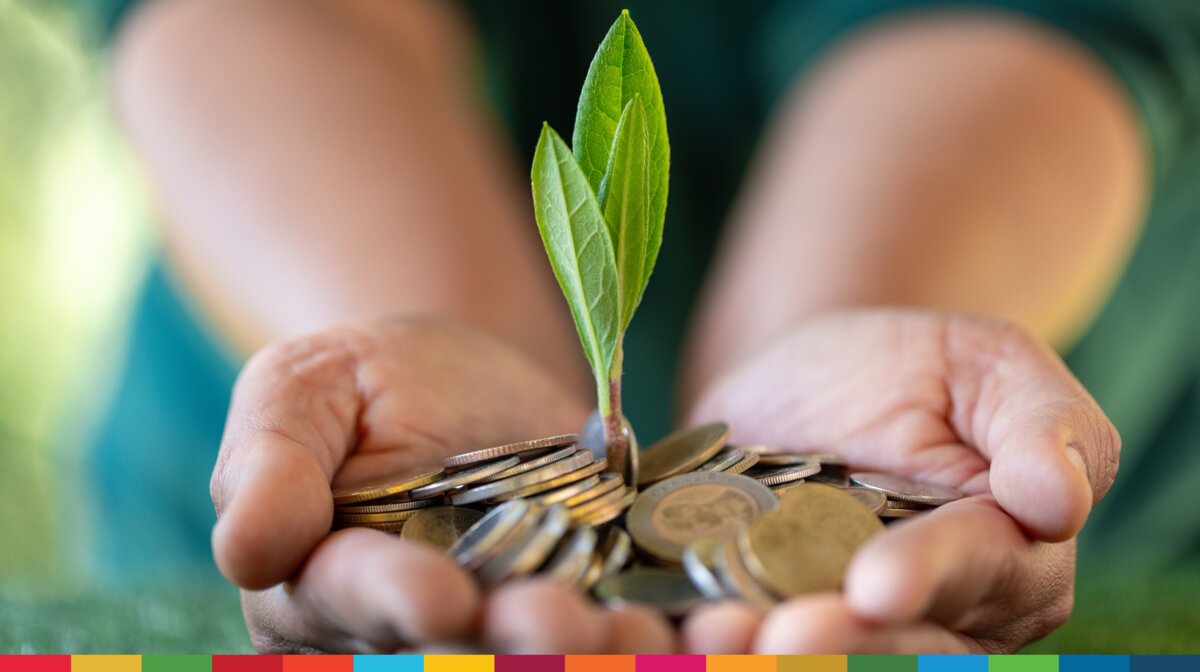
[{"x": 600, "y": 209}]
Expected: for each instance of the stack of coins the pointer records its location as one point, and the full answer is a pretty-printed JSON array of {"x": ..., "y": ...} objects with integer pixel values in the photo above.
[{"x": 711, "y": 521}]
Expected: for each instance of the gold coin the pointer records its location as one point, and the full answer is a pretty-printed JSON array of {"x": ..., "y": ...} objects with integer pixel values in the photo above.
[
  {"x": 465, "y": 477},
  {"x": 606, "y": 483},
  {"x": 486, "y": 454},
  {"x": 530, "y": 464},
  {"x": 723, "y": 460},
  {"x": 610, "y": 513},
  {"x": 872, "y": 499},
  {"x": 748, "y": 460},
  {"x": 892, "y": 513},
  {"x": 614, "y": 549},
  {"x": 807, "y": 544},
  {"x": 557, "y": 482},
  {"x": 911, "y": 490},
  {"x": 512, "y": 484},
  {"x": 389, "y": 507},
  {"x": 672, "y": 514},
  {"x": 363, "y": 518},
  {"x": 390, "y": 528},
  {"x": 681, "y": 452},
  {"x": 440, "y": 526},
  {"x": 611, "y": 495},
  {"x": 408, "y": 479},
  {"x": 560, "y": 495}
]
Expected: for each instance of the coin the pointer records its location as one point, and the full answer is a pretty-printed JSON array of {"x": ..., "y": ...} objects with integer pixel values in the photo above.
[
  {"x": 530, "y": 551},
  {"x": 606, "y": 483},
  {"x": 621, "y": 456},
  {"x": 737, "y": 580},
  {"x": 486, "y": 537},
  {"x": 512, "y": 484},
  {"x": 486, "y": 454},
  {"x": 806, "y": 545},
  {"x": 571, "y": 477},
  {"x": 605, "y": 501},
  {"x": 723, "y": 460},
  {"x": 465, "y": 477},
  {"x": 872, "y": 499},
  {"x": 570, "y": 563},
  {"x": 533, "y": 463},
  {"x": 901, "y": 504},
  {"x": 440, "y": 526},
  {"x": 614, "y": 550},
  {"x": 899, "y": 487},
  {"x": 362, "y": 518},
  {"x": 748, "y": 460},
  {"x": 781, "y": 475},
  {"x": 672, "y": 593},
  {"x": 893, "y": 513},
  {"x": 682, "y": 451},
  {"x": 672, "y": 514},
  {"x": 610, "y": 513},
  {"x": 559, "y": 495},
  {"x": 402, "y": 481},
  {"x": 404, "y": 505},
  {"x": 699, "y": 563},
  {"x": 381, "y": 527}
]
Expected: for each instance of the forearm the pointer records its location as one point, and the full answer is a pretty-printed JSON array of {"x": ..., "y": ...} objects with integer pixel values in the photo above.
[
  {"x": 960, "y": 162},
  {"x": 318, "y": 162}
]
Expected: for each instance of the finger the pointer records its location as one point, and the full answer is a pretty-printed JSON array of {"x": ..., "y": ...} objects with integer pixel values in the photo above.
[
  {"x": 363, "y": 590},
  {"x": 1053, "y": 452},
  {"x": 824, "y": 624},
  {"x": 939, "y": 565},
  {"x": 541, "y": 616},
  {"x": 639, "y": 630},
  {"x": 723, "y": 628},
  {"x": 290, "y": 425}
]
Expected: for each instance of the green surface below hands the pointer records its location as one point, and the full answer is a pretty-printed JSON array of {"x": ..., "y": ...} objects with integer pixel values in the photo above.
[
  {"x": 576, "y": 237},
  {"x": 625, "y": 198}
]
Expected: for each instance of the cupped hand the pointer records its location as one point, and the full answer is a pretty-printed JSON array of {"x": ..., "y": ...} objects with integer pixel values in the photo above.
[
  {"x": 960, "y": 401},
  {"x": 363, "y": 401}
]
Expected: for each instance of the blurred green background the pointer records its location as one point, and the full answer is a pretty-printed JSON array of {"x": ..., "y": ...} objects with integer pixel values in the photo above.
[{"x": 75, "y": 245}]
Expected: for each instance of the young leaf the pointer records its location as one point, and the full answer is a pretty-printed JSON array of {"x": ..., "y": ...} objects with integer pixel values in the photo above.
[
  {"x": 581, "y": 253},
  {"x": 621, "y": 70},
  {"x": 625, "y": 199}
]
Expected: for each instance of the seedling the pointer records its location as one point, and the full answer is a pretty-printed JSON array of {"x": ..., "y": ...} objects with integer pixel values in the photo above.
[{"x": 600, "y": 207}]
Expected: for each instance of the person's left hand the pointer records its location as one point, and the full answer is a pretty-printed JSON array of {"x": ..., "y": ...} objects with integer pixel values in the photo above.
[{"x": 959, "y": 401}]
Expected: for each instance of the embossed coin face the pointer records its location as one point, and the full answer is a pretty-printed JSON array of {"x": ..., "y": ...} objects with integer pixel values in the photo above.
[
  {"x": 681, "y": 452},
  {"x": 394, "y": 484},
  {"x": 672, "y": 514},
  {"x": 534, "y": 445},
  {"x": 899, "y": 487},
  {"x": 440, "y": 526},
  {"x": 671, "y": 593}
]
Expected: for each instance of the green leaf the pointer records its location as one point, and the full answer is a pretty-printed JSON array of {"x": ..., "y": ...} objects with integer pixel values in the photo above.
[
  {"x": 621, "y": 70},
  {"x": 580, "y": 250},
  {"x": 625, "y": 199}
]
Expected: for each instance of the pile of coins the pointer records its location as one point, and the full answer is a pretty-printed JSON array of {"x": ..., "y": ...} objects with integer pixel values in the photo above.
[{"x": 706, "y": 521}]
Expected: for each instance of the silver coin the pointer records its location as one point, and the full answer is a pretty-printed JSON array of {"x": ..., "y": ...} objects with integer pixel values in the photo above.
[
  {"x": 533, "y": 463},
  {"x": 781, "y": 475},
  {"x": 478, "y": 493},
  {"x": 723, "y": 460},
  {"x": 872, "y": 499},
  {"x": 614, "y": 550},
  {"x": 672, "y": 593},
  {"x": 530, "y": 551},
  {"x": 737, "y": 581},
  {"x": 907, "y": 489},
  {"x": 465, "y": 477},
  {"x": 570, "y": 563},
  {"x": 487, "y": 537},
  {"x": 699, "y": 563}
]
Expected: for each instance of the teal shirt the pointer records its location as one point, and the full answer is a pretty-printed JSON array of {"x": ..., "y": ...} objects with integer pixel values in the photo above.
[{"x": 722, "y": 67}]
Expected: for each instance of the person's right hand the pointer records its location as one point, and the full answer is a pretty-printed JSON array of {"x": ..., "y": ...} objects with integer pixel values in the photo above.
[{"x": 357, "y": 402}]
